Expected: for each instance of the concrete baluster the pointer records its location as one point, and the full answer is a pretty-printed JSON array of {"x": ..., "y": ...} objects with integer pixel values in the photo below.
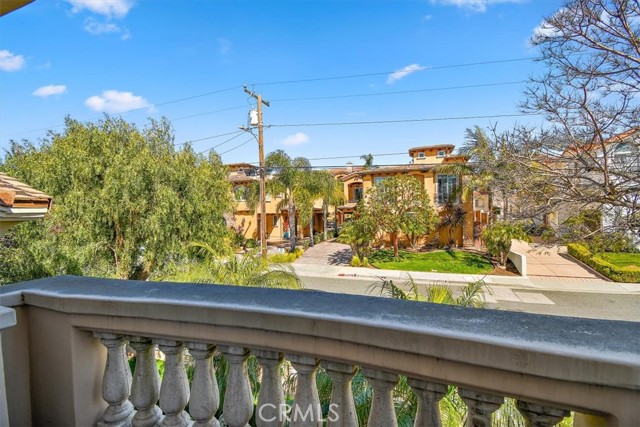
[
  {"x": 174, "y": 391},
  {"x": 116, "y": 382},
  {"x": 306, "y": 410},
  {"x": 205, "y": 396},
  {"x": 382, "y": 412},
  {"x": 271, "y": 411},
  {"x": 342, "y": 410},
  {"x": 238, "y": 401},
  {"x": 541, "y": 416},
  {"x": 145, "y": 388},
  {"x": 480, "y": 407},
  {"x": 429, "y": 395}
]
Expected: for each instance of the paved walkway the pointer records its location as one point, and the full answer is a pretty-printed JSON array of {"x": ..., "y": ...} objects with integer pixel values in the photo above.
[
  {"x": 552, "y": 262},
  {"x": 331, "y": 259},
  {"x": 326, "y": 253}
]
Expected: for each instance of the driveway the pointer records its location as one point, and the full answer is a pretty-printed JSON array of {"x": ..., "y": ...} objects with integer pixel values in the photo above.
[
  {"x": 551, "y": 262},
  {"x": 326, "y": 253}
]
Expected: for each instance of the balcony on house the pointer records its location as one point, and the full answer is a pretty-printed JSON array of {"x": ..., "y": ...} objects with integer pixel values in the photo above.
[{"x": 65, "y": 342}]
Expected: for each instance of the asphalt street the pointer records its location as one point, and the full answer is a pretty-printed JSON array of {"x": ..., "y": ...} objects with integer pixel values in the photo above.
[{"x": 574, "y": 304}]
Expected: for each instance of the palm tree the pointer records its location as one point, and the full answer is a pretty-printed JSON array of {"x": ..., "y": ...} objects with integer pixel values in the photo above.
[
  {"x": 368, "y": 161},
  {"x": 309, "y": 190},
  {"x": 331, "y": 193},
  {"x": 288, "y": 181},
  {"x": 435, "y": 292}
]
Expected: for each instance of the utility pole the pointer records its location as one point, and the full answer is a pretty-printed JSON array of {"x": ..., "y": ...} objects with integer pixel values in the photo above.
[{"x": 263, "y": 175}]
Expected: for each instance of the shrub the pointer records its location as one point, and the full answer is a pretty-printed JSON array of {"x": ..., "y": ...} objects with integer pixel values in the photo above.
[
  {"x": 251, "y": 243},
  {"x": 282, "y": 258},
  {"x": 497, "y": 238},
  {"x": 611, "y": 242},
  {"x": 613, "y": 272},
  {"x": 355, "y": 261},
  {"x": 286, "y": 257}
]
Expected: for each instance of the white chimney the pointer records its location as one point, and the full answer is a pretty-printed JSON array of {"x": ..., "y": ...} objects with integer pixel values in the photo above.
[{"x": 349, "y": 167}]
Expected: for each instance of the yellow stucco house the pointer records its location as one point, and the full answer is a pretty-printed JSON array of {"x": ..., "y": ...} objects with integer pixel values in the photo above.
[
  {"x": 424, "y": 167},
  {"x": 356, "y": 182}
]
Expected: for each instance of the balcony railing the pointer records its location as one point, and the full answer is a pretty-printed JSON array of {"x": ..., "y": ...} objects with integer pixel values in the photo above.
[{"x": 66, "y": 358}]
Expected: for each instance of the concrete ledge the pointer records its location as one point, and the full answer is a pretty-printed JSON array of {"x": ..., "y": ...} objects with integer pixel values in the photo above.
[
  {"x": 7, "y": 318},
  {"x": 520, "y": 261},
  {"x": 579, "y": 364}
]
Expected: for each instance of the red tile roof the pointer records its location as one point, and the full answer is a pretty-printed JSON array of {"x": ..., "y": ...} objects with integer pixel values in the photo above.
[{"x": 14, "y": 193}]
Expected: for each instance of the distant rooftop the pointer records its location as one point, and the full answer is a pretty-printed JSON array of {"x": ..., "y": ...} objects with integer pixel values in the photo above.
[{"x": 432, "y": 147}]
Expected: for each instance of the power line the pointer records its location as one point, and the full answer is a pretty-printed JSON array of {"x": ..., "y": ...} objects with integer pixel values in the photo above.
[
  {"x": 237, "y": 146},
  {"x": 207, "y": 113},
  {"x": 213, "y": 92},
  {"x": 223, "y": 142},
  {"x": 173, "y": 101},
  {"x": 354, "y": 76},
  {"x": 398, "y": 92},
  {"x": 208, "y": 137},
  {"x": 430, "y": 119}
]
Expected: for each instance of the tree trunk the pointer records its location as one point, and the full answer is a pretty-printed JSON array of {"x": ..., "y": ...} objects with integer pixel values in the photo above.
[
  {"x": 324, "y": 219},
  {"x": 394, "y": 239},
  {"x": 292, "y": 226},
  {"x": 311, "y": 230}
]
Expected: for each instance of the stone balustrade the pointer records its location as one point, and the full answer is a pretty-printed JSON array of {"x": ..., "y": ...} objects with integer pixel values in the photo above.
[{"x": 67, "y": 359}]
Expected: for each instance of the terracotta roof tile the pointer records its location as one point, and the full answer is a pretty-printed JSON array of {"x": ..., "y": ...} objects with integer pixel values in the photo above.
[
  {"x": 392, "y": 169},
  {"x": 14, "y": 193}
]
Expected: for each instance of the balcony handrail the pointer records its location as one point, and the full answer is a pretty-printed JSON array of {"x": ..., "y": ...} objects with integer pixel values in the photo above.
[{"x": 560, "y": 359}]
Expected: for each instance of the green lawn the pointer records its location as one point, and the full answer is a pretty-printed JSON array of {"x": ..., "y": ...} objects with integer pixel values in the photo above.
[
  {"x": 437, "y": 261},
  {"x": 623, "y": 260}
]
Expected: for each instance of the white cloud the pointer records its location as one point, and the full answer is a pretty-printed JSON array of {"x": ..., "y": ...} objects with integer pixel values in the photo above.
[
  {"x": 296, "y": 139},
  {"x": 545, "y": 29},
  {"x": 107, "y": 8},
  {"x": 113, "y": 101},
  {"x": 403, "y": 72},
  {"x": 49, "y": 90},
  {"x": 473, "y": 5},
  {"x": 10, "y": 61},
  {"x": 97, "y": 28}
]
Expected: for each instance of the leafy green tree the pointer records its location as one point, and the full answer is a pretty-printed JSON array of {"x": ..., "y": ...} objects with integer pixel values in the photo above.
[
  {"x": 420, "y": 223},
  {"x": 359, "y": 232},
  {"x": 497, "y": 237},
  {"x": 394, "y": 202},
  {"x": 126, "y": 201},
  {"x": 287, "y": 180}
]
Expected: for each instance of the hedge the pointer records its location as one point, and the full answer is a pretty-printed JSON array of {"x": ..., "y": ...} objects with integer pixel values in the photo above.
[{"x": 613, "y": 272}]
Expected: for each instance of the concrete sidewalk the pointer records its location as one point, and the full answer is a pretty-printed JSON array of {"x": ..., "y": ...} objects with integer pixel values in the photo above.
[
  {"x": 512, "y": 282},
  {"x": 551, "y": 262}
]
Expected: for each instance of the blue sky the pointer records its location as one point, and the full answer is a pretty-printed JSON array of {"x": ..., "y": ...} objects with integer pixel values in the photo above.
[{"x": 86, "y": 57}]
